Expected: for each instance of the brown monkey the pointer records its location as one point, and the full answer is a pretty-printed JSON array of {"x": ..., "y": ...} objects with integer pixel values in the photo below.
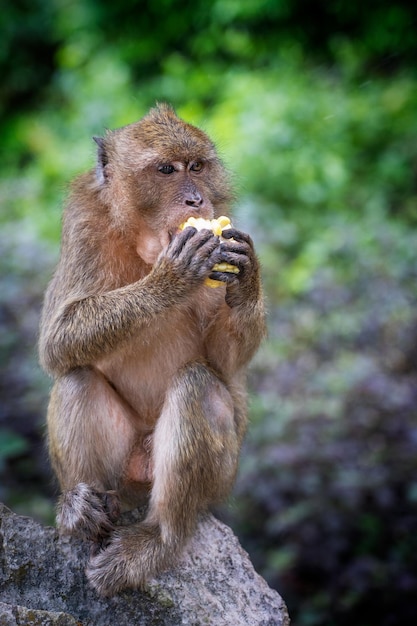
[{"x": 149, "y": 363}]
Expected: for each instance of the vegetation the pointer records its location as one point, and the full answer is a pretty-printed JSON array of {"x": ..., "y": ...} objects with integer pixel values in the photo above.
[{"x": 316, "y": 119}]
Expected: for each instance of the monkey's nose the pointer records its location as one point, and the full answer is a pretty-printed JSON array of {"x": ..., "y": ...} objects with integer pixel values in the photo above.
[{"x": 195, "y": 200}]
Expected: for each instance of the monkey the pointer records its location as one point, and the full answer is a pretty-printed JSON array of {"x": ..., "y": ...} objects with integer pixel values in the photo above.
[{"x": 149, "y": 399}]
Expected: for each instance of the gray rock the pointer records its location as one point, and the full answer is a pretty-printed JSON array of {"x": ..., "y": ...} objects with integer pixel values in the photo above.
[{"x": 42, "y": 583}]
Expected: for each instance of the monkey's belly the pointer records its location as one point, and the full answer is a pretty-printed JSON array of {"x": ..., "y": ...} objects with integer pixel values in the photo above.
[{"x": 142, "y": 373}]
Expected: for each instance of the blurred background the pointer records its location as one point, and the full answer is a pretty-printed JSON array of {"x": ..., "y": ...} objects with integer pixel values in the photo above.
[{"x": 313, "y": 106}]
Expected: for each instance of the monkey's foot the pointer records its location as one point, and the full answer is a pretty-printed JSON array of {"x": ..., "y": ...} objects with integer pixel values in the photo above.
[
  {"x": 111, "y": 570},
  {"x": 87, "y": 513},
  {"x": 133, "y": 554}
]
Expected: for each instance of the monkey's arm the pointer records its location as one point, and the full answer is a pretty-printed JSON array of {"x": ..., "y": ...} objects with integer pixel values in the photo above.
[
  {"x": 239, "y": 327},
  {"x": 78, "y": 330}
]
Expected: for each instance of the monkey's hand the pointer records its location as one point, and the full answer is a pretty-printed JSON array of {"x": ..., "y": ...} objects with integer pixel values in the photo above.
[
  {"x": 236, "y": 248},
  {"x": 87, "y": 513},
  {"x": 217, "y": 226},
  {"x": 188, "y": 260}
]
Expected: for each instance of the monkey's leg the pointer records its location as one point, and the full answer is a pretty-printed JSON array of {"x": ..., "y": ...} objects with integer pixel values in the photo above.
[
  {"x": 194, "y": 463},
  {"x": 89, "y": 441}
]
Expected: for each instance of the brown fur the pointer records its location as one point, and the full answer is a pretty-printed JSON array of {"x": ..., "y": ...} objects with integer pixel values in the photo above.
[{"x": 149, "y": 363}]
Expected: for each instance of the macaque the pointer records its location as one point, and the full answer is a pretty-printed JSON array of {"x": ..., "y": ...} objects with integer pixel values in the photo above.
[{"x": 149, "y": 363}]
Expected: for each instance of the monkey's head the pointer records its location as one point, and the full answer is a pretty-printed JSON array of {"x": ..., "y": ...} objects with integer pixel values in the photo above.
[{"x": 156, "y": 173}]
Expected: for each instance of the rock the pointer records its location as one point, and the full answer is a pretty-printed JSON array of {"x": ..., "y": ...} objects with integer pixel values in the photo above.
[{"x": 42, "y": 583}]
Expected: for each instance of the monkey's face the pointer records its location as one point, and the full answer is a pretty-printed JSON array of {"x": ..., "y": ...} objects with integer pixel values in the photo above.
[
  {"x": 157, "y": 173},
  {"x": 171, "y": 189},
  {"x": 168, "y": 191}
]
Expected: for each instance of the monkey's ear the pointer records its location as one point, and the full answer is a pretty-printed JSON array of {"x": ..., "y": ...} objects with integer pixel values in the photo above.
[{"x": 102, "y": 169}]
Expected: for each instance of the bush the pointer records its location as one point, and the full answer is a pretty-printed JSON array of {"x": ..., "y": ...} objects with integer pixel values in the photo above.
[
  {"x": 326, "y": 501},
  {"x": 25, "y": 482}
]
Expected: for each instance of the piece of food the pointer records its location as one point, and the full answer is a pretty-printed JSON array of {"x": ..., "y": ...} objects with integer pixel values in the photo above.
[{"x": 217, "y": 225}]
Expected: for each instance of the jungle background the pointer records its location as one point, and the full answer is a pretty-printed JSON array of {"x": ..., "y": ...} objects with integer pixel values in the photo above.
[{"x": 314, "y": 108}]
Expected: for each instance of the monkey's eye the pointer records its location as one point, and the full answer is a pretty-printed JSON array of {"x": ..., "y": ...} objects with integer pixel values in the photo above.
[
  {"x": 197, "y": 166},
  {"x": 166, "y": 169}
]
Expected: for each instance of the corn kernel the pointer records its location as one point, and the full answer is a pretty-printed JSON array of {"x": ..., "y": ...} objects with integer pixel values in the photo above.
[
  {"x": 224, "y": 222},
  {"x": 226, "y": 267}
]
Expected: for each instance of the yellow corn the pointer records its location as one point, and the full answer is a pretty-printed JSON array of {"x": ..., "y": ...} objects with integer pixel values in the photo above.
[
  {"x": 226, "y": 267},
  {"x": 217, "y": 226}
]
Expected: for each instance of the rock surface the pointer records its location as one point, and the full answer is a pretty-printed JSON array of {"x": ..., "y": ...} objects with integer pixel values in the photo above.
[{"x": 42, "y": 583}]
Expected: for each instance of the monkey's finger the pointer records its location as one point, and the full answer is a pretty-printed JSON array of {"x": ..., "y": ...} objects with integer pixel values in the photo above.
[
  {"x": 199, "y": 248},
  {"x": 242, "y": 243},
  {"x": 237, "y": 235},
  {"x": 241, "y": 261},
  {"x": 185, "y": 246},
  {"x": 224, "y": 277},
  {"x": 179, "y": 241},
  {"x": 233, "y": 247}
]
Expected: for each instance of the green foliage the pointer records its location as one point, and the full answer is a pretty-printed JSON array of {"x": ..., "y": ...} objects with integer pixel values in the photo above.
[
  {"x": 313, "y": 154},
  {"x": 11, "y": 445},
  {"x": 39, "y": 37},
  {"x": 292, "y": 154},
  {"x": 28, "y": 43}
]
